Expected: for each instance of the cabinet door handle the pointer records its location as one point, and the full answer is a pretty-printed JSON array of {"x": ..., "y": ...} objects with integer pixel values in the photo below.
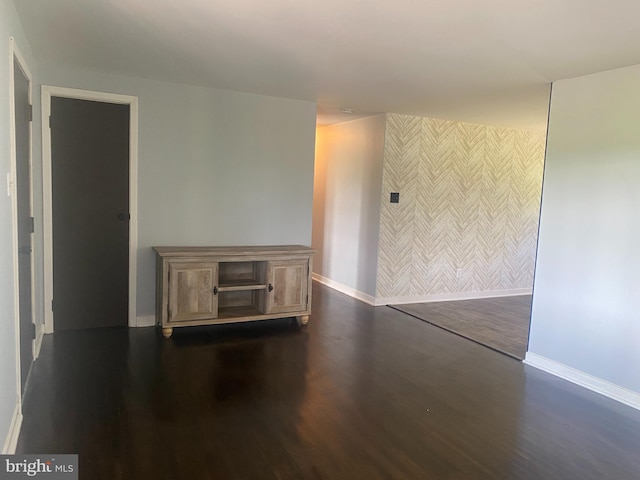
[
  {"x": 215, "y": 290},
  {"x": 270, "y": 288}
]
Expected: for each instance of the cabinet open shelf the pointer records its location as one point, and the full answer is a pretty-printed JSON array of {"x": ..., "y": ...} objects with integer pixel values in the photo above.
[{"x": 235, "y": 275}]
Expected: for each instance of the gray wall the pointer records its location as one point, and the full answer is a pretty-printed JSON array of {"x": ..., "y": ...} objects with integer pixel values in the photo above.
[
  {"x": 9, "y": 391},
  {"x": 346, "y": 209},
  {"x": 215, "y": 167},
  {"x": 587, "y": 283}
]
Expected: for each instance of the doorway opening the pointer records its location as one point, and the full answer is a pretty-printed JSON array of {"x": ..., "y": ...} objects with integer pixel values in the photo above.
[
  {"x": 21, "y": 190},
  {"x": 88, "y": 132}
]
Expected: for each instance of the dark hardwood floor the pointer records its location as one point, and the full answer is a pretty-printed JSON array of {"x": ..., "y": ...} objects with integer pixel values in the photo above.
[
  {"x": 500, "y": 323},
  {"x": 361, "y": 393}
]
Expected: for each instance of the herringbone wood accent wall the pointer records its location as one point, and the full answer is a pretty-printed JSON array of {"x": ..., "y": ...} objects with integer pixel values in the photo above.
[{"x": 468, "y": 214}]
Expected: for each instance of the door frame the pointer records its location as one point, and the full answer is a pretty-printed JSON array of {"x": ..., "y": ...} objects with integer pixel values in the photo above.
[
  {"x": 12, "y": 181},
  {"x": 51, "y": 91}
]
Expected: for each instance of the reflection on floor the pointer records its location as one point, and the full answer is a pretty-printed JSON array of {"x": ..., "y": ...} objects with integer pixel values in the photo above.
[
  {"x": 498, "y": 323},
  {"x": 361, "y": 393}
]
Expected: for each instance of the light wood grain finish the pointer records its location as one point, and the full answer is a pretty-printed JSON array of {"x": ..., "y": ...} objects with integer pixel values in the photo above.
[
  {"x": 191, "y": 291},
  {"x": 241, "y": 252},
  {"x": 201, "y": 286},
  {"x": 290, "y": 290}
]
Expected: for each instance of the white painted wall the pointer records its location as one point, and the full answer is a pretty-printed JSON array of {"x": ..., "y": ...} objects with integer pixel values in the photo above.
[
  {"x": 215, "y": 167},
  {"x": 346, "y": 210},
  {"x": 9, "y": 383},
  {"x": 587, "y": 283}
]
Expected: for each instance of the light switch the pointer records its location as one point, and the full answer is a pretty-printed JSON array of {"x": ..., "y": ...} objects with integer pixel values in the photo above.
[{"x": 395, "y": 197}]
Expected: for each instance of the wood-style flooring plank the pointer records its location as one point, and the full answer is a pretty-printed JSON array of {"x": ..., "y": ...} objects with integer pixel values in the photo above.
[
  {"x": 360, "y": 393},
  {"x": 500, "y": 323}
]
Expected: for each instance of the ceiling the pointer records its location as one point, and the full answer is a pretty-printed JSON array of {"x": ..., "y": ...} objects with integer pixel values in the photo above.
[{"x": 483, "y": 61}]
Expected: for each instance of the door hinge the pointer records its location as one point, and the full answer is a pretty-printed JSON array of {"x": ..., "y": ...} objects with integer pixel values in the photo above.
[
  {"x": 52, "y": 304},
  {"x": 33, "y": 330},
  {"x": 32, "y": 224},
  {"x": 31, "y": 113},
  {"x": 49, "y": 121}
]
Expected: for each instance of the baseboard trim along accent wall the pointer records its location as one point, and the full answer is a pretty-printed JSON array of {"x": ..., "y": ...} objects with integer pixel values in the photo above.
[
  {"x": 352, "y": 292},
  {"x": 438, "y": 297},
  {"x": 145, "y": 320},
  {"x": 447, "y": 297},
  {"x": 11, "y": 442},
  {"x": 585, "y": 380}
]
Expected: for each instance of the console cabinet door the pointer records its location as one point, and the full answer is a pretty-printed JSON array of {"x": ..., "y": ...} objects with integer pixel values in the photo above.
[
  {"x": 193, "y": 291},
  {"x": 289, "y": 279}
]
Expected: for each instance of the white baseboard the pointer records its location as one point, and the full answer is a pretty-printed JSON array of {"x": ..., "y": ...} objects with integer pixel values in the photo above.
[
  {"x": 438, "y": 297},
  {"x": 613, "y": 391},
  {"x": 145, "y": 320},
  {"x": 37, "y": 345},
  {"x": 446, "y": 297},
  {"x": 352, "y": 292},
  {"x": 11, "y": 441}
]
